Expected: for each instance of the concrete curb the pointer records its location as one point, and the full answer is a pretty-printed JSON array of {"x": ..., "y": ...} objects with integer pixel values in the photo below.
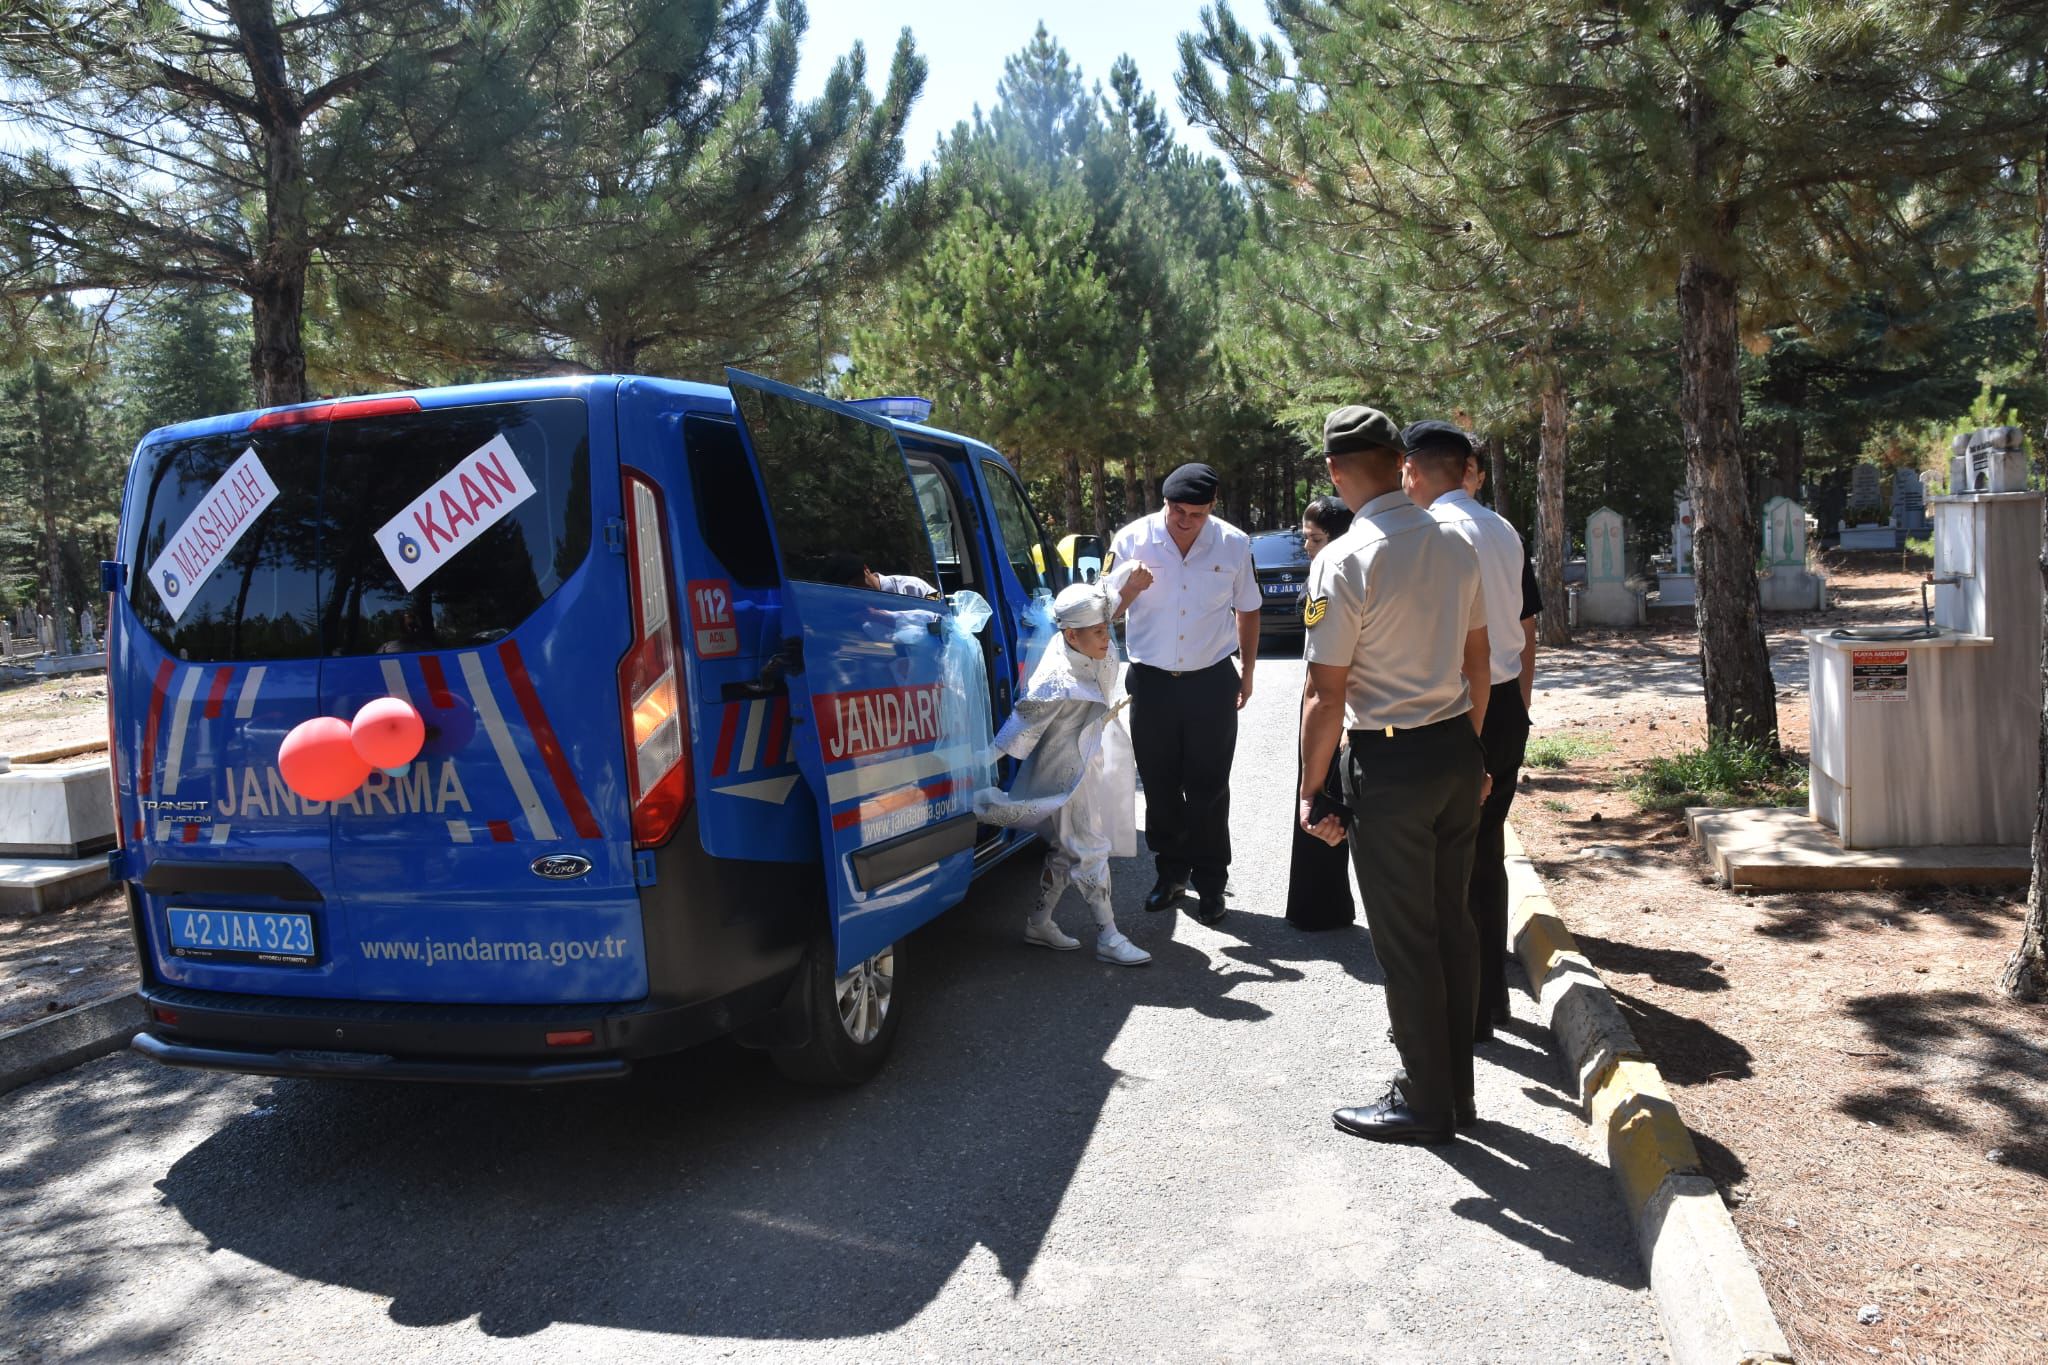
[
  {"x": 62, "y": 1041},
  {"x": 1707, "y": 1292}
]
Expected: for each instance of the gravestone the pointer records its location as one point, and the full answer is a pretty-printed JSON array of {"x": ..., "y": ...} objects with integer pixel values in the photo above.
[
  {"x": 1863, "y": 524},
  {"x": 1609, "y": 597},
  {"x": 1675, "y": 589},
  {"x": 1788, "y": 585},
  {"x": 1989, "y": 460},
  {"x": 1909, "y": 504}
]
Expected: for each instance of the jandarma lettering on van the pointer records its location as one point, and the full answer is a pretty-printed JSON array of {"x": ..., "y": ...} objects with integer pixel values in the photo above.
[
  {"x": 856, "y": 724},
  {"x": 419, "y": 790}
]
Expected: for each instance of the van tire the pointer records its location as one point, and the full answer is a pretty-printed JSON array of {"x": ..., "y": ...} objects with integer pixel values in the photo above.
[{"x": 873, "y": 1009}]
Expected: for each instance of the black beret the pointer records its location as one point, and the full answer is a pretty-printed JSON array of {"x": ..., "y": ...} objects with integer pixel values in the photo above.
[
  {"x": 1435, "y": 433},
  {"x": 1191, "y": 483},
  {"x": 1359, "y": 428}
]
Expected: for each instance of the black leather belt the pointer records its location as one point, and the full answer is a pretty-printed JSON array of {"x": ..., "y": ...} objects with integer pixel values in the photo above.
[
  {"x": 1182, "y": 672},
  {"x": 1379, "y": 732}
]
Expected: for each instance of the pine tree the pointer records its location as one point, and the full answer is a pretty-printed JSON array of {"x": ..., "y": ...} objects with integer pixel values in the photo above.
[
  {"x": 234, "y": 146},
  {"x": 672, "y": 207},
  {"x": 1747, "y": 162},
  {"x": 53, "y": 469}
]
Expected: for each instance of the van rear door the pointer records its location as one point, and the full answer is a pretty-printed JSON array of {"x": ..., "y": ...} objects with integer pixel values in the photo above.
[
  {"x": 895, "y": 817},
  {"x": 497, "y": 867}
]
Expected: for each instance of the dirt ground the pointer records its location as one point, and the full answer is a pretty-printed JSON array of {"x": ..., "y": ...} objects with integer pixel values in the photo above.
[
  {"x": 57, "y": 711},
  {"x": 1873, "y": 1110},
  {"x": 64, "y": 959}
]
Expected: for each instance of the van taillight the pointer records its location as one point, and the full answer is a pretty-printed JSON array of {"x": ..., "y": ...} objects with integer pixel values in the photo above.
[
  {"x": 341, "y": 411},
  {"x": 651, "y": 676},
  {"x": 113, "y": 723}
]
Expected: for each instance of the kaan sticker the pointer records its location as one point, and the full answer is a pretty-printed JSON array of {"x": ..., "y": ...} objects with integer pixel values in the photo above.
[
  {"x": 469, "y": 500},
  {"x": 227, "y": 510}
]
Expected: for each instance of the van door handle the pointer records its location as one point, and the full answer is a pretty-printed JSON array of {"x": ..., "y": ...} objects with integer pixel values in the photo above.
[{"x": 773, "y": 681}]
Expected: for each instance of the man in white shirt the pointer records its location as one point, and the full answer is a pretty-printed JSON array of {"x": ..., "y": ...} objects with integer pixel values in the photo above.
[
  {"x": 1201, "y": 607},
  {"x": 1435, "y": 472}
]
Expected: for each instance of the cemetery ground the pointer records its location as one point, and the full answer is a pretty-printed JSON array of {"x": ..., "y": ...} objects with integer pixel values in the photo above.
[
  {"x": 65, "y": 958},
  {"x": 1874, "y": 1112}
]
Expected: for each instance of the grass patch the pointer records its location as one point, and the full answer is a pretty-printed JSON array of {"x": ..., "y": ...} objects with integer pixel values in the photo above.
[
  {"x": 1551, "y": 803},
  {"x": 1725, "y": 773},
  {"x": 1559, "y": 751}
]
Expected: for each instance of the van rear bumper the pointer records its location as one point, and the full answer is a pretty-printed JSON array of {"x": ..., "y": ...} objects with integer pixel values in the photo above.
[{"x": 487, "y": 1044}]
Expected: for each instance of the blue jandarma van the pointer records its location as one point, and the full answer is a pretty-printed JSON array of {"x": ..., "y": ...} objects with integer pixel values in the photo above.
[{"x": 686, "y": 773}]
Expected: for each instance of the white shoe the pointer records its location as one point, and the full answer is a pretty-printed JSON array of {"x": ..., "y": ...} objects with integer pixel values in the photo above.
[
  {"x": 1046, "y": 934},
  {"x": 1112, "y": 946}
]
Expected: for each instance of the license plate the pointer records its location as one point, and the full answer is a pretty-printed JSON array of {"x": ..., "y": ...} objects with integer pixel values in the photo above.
[
  {"x": 277, "y": 938},
  {"x": 1283, "y": 590}
]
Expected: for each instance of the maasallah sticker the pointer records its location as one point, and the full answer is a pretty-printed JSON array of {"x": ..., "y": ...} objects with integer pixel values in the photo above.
[
  {"x": 223, "y": 514},
  {"x": 1312, "y": 611},
  {"x": 469, "y": 500}
]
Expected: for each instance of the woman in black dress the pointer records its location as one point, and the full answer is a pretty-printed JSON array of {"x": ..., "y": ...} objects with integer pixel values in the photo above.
[{"x": 1319, "y": 875}]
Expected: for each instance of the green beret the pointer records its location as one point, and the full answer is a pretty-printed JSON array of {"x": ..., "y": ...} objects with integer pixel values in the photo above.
[{"x": 1359, "y": 428}]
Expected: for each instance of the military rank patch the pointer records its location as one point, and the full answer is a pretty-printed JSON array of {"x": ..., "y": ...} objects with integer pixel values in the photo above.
[{"x": 1313, "y": 609}]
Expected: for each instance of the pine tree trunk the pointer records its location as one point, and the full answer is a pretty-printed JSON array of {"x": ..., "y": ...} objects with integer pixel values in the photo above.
[
  {"x": 1070, "y": 492},
  {"x": 1742, "y": 700},
  {"x": 2026, "y": 972},
  {"x": 276, "y": 284},
  {"x": 1497, "y": 455},
  {"x": 1134, "y": 485},
  {"x": 1552, "y": 544},
  {"x": 1148, "y": 496},
  {"x": 1100, "y": 469},
  {"x": 53, "y": 560}
]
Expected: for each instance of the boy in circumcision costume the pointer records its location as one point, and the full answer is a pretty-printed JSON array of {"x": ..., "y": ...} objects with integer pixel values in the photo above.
[{"x": 1078, "y": 783}]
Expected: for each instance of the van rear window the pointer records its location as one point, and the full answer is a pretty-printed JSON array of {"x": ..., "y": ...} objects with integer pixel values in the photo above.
[{"x": 306, "y": 576}]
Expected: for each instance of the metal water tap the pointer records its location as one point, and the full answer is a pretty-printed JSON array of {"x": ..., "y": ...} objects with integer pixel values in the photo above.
[{"x": 1947, "y": 580}]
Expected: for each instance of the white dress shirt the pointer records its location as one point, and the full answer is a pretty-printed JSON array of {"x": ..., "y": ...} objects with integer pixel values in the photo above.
[
  {"x": 1187, "y": 618},
  {"x": 1499, "y": 547}
]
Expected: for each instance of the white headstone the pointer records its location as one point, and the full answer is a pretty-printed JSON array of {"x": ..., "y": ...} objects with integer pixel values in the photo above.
[
  {"x": 1784, "y": 534},
  {"x": 1681, "y": 537},
  {"x": 1606, "y": 547}
]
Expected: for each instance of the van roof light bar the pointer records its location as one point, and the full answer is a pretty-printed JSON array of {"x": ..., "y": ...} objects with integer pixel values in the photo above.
[
  {"x": 901, "y": 407},
  {"x": 335, "y": 412}
]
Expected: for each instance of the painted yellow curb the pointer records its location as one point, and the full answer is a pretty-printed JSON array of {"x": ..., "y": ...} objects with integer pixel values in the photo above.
[{"x": 1708, "y": 1295}]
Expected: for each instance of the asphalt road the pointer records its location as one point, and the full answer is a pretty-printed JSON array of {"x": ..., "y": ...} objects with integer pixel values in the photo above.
[{"x": 1063, "y": 1160}]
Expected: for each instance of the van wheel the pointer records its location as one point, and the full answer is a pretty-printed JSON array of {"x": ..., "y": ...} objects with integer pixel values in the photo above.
[{"x": 854, "y": 1018}]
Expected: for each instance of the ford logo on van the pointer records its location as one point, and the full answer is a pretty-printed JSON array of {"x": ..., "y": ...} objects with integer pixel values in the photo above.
[{"x": 560, "y": 867}]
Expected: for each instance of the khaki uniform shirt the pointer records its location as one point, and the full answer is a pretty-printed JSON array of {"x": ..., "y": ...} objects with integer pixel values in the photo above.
[{"x": 1392, "y": 599}]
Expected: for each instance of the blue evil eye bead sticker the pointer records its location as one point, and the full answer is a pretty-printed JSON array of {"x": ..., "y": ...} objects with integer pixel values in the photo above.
[
  {"x": 172, "y": 587},
  {"x": 408, "y": 549}
]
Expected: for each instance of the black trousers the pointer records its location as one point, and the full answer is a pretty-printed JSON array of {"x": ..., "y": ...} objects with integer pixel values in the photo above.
[
  {"x": 1319, "y": 874},
  {"x": 1184, "y": 734},
  {"x": 1505, "y": 739},
  {"x": 1417, "y": 797}
]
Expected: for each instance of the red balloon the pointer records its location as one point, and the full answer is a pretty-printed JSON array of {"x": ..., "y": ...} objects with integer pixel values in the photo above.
[
  {"x": 388, "y": 733},
  {"x": 318, "y": 761}
]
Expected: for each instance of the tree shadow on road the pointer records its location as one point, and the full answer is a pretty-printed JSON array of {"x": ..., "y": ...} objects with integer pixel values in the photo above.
[{"x": 704, "y": 1195}]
